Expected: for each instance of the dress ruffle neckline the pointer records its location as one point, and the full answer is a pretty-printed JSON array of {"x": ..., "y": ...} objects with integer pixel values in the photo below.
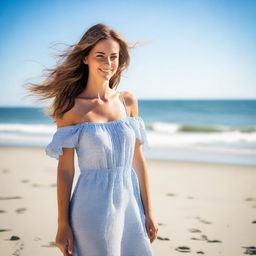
[{"x": 101, "y": 123}]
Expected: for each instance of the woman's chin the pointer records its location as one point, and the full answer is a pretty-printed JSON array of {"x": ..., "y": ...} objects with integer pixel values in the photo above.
[{"x": 106, "y": 77}]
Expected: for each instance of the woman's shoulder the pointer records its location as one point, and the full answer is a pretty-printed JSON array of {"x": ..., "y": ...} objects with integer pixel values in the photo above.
[
  {"x": 131, "y": 103},
  {"x": 129, "y": 97},
  {"x": 68, "y": 118},
  {"x": 73, "y": 115}
]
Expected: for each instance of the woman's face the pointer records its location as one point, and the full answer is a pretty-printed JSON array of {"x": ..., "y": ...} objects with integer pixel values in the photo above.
[{"x": 103, "y": 59}]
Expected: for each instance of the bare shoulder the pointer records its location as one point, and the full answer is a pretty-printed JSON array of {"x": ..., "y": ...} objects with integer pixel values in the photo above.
[
  {"x": 131, "y": 102},
  {"x": 68, "y": 118}
]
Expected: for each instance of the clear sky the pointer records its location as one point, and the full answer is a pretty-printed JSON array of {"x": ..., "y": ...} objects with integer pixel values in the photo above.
[{"x": 192, "y": 49}]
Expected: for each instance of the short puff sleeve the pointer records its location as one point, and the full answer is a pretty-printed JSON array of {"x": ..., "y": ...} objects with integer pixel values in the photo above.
[
  {"x": 140, "y": 131},
  {"x": 64, "y": 137}
]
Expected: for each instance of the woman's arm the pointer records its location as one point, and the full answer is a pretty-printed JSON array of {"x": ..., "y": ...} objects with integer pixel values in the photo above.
[
  {"x": 139, "y": 164},
  {"x": 65, "y": 176}
]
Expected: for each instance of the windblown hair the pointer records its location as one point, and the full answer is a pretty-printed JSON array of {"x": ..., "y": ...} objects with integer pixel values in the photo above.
[{"x": 68, "y": 79}]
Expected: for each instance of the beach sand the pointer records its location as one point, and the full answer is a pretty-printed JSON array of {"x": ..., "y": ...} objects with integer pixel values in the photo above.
[{"x": 201, "y": 208}]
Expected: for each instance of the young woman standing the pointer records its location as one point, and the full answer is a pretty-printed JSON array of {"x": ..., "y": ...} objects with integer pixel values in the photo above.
[{"x": 110, "y": 212}]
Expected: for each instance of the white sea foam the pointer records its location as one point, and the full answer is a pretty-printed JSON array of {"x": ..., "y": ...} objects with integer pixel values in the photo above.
[
  {"x": 27, "y": 128},
  {"x": 160, "y": 135}
]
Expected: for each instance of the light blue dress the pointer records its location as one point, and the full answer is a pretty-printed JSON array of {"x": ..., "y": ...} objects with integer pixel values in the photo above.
[{"x": 106, "y": 209}]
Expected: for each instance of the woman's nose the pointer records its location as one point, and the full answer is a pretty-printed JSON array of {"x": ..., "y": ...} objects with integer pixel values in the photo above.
[{"x": 107, "y": 60}]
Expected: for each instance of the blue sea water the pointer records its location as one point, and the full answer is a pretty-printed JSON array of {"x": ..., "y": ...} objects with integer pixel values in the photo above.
[{"x": 221, "y": 131}]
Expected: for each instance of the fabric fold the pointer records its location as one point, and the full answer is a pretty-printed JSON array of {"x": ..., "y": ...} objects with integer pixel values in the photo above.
[
  {"x": 64, "y": 137},
  {"x": 68, "y": 136},
  {"x": 140, "y": 131}
]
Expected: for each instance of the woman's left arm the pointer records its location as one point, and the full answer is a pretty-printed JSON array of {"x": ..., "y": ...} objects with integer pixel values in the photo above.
[{"x": 140, "y": 166}]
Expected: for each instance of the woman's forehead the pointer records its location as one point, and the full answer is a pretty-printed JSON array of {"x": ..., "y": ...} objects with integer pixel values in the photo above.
[{"x": 108, "y": 46}]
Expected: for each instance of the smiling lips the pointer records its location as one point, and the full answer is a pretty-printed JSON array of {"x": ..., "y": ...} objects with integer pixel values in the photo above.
[{"x": 107, "y": 71}]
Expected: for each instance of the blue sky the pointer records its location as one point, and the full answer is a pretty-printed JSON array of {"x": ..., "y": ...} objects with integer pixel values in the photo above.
[{"x": 192, "y": 49}]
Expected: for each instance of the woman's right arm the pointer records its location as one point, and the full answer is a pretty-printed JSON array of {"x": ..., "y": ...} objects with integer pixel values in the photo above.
[
  {"x": 65, "y": 176},
  {"x": 65, "y": 173}
]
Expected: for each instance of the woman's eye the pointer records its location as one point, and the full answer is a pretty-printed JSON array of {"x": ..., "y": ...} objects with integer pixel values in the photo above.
[{"x": 101, "y": 56}]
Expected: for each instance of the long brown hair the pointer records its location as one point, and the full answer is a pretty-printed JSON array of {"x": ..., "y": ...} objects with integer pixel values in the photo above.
[{"x": 68, "y": 79}]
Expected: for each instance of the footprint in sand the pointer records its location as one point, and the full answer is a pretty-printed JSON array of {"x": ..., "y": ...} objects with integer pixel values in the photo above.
[
  {"x": 9, "y": 197},
  {"x": 195, "y": 238},
  {"x": 5, "y": 170},
  {"x": 4, "y": 230},
  {"x": 205, "y": 238},
  {"x": 210, "y": 241},
  {"x": 42, "y": 185},
  {"x": 214, "y": 241},
  {"x": 171, "y": 194},
  {"x": 251, "y": 250},
  {"x": 18, "y": 250},
  {"x": 36, "y": 185},
  {"x": 250, "y": 199},
  {"x": 203, "y": 221},
  {"x": 21, "y": 210},
  {"x": 25, "y": 181},
  {"x": 14, "y": 238},
  {"x": 2, "y": 211},
  {"x": 50, "y": 244},
  {"x": 194, "y": 230},
  {"x": 163, "y": 238},
  {"x": 183, "y": 249}
]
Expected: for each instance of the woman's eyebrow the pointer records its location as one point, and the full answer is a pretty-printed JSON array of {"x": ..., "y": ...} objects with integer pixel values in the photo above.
[{"x": 104, "y": 53}]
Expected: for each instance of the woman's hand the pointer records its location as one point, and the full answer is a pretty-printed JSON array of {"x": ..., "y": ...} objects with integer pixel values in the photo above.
[
  {"x": 64, "y": 239},
  {"x": 152, "y": 227}
]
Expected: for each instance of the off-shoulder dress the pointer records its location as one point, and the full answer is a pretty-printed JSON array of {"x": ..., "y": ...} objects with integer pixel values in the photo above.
[{"x": 106, "y": 210}]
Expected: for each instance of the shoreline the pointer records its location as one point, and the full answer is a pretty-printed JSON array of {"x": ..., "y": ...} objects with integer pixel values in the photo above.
[{"x": 146, "y": 156}]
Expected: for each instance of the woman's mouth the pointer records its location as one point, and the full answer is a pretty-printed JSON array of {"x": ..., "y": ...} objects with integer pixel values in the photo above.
[{"x": 106, "y": 71}]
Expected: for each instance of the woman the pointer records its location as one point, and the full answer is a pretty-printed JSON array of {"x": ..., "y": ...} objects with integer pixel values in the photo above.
[{"x": 110, "y": 210}]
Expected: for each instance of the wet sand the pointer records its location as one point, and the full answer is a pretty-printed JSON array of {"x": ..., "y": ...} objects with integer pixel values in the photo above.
[{"x": 201, "y": 208}]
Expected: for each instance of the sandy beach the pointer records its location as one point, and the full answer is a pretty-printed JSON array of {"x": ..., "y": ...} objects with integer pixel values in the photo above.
[{"x": 201, "y": 208}]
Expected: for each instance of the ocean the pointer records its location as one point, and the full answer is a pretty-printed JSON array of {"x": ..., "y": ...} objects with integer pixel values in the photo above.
[{"x": 219, "y": 131}]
